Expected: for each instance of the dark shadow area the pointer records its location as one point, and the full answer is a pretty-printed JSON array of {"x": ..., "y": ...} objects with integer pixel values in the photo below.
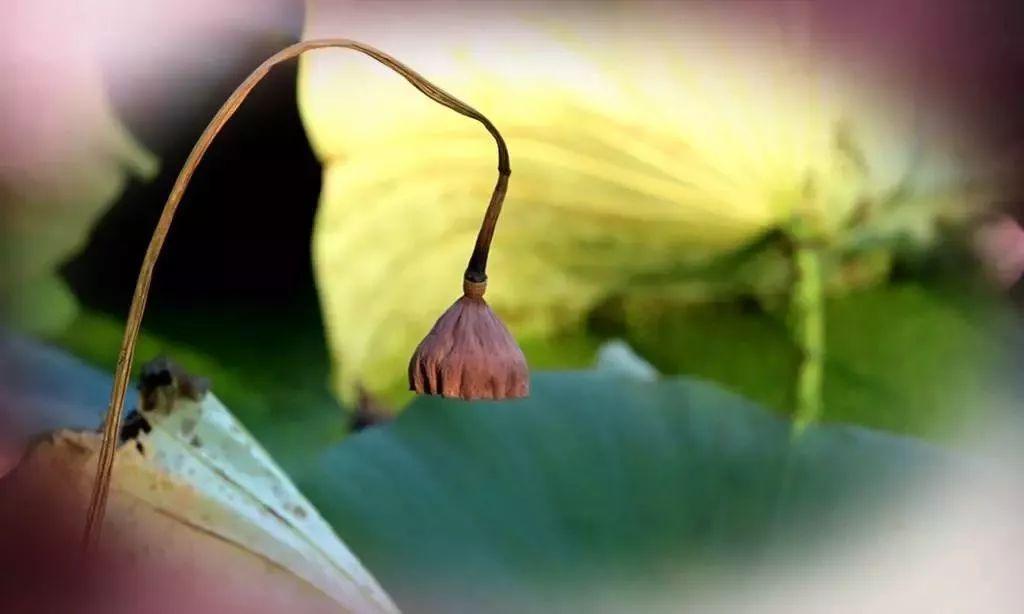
[
  {"x": 234, "y": 285},
  {"x": 242, "y": 232}
]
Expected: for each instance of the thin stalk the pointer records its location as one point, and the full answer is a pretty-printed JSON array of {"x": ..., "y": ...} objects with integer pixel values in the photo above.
[
  {"x": 475, "y": 271},
  {"x": 808, "y": 325}
]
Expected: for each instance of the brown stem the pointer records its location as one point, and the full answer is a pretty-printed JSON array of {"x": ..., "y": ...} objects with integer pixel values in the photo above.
[{"x": 476, "y": 269}]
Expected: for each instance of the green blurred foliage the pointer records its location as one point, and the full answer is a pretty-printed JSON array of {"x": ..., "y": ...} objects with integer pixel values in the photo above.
[
  {"x": 53, "y": 189},
  {"x": 915, "y": 357},
  {"x": 922, "y": 359}
]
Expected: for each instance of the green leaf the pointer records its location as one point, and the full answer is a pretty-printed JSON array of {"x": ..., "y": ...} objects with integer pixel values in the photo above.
[
  {"x": 595, "y": 478},
  {"x": 909, "y": 358}
]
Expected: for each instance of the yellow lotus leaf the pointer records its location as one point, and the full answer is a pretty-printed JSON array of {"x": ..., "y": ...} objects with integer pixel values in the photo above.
[{"x": 641, "y": 143}]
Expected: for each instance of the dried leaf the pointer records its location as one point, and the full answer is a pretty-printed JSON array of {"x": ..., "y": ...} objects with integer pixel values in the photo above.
[{"x": 190, "y": 479}]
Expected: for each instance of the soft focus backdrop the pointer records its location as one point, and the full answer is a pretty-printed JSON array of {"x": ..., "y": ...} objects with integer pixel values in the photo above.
[{"x": 729, "y": 216}]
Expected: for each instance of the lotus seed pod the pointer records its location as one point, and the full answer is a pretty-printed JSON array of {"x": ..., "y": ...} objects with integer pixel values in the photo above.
[{"x": 470, "y": 354}]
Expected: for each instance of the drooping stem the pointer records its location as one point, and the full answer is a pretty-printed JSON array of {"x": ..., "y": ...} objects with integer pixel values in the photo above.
[
  {"x": 476, "y": 271},
  {"x": 808, "y": 325}
]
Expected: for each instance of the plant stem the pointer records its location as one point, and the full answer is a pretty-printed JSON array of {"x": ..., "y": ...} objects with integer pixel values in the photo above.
[
  {"x": 808, "y": 325},
  {"x": 475, "y": 271}
]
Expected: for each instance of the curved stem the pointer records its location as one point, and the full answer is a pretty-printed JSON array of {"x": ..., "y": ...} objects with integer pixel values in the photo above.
[{"x": 475, "y": 271}]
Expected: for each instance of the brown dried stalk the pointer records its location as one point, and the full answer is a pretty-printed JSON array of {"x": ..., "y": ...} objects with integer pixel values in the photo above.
[{"x": 475, "y": 271}]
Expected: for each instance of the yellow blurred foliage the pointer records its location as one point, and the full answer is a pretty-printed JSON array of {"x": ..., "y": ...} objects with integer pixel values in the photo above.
[{"x": 641, "y": 144}]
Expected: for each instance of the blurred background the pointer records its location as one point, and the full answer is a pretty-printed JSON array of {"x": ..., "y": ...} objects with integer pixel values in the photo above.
[{"x": 812, "y": 209}]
